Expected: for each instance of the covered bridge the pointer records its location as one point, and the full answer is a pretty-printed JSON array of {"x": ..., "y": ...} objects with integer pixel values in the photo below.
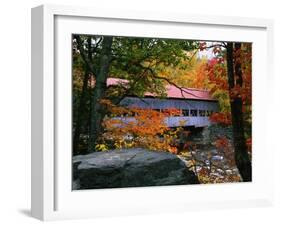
[{"x": 196, "y": 105}]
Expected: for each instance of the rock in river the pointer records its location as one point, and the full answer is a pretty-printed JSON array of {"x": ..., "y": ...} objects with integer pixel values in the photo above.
[{"x": 129, "y": 168}]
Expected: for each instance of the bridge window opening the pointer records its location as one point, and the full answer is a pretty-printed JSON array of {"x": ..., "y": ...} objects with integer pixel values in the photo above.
[
  {"x": 193, "y": 113},
  {"x": 202, "y": 113},
  {"x": 185, "y": 112}
]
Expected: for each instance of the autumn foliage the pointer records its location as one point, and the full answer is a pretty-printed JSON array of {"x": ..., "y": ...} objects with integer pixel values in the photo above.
[
  {"x": 135, "y": 127},
  {"x": 215, "y": 71},
  {"x": 224, "y": 118}
]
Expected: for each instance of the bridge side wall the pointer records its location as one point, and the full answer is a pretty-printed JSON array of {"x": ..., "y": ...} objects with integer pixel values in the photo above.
[{"x": 183, "y": 104}]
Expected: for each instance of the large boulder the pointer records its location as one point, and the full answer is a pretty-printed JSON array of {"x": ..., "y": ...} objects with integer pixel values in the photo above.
[{"x": 129, "y": 168}]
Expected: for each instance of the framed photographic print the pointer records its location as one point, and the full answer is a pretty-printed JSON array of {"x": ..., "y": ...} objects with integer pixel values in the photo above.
[{"x": 137, "y": 113}]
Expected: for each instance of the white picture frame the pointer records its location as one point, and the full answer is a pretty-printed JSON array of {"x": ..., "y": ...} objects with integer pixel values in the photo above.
[{"x": 52, "y": 197}]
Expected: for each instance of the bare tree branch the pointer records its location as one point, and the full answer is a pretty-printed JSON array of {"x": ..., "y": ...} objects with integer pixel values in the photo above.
[{"x": 182, "y": 89}]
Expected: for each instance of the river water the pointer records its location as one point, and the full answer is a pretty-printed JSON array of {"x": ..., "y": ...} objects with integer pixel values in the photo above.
[{"x": 211, "y": 163}]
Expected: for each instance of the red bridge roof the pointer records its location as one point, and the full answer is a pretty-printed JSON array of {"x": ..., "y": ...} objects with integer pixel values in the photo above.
[{"x": 172, "y": 91}]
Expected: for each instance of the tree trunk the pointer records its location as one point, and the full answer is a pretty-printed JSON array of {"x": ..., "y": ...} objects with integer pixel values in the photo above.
[
  {"x": 80, "y": 113},
  {"x": 98, "y": 92},
  {"x": 82, "y": 101},
  {"x": 234, "y": 73}
]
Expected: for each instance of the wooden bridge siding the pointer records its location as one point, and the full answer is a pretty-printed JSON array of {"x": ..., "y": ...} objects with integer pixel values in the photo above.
[
  {"x": 154, "y": 103},
  {"x": 188, "y": 121},
  {"x": 177, "y": 121}
]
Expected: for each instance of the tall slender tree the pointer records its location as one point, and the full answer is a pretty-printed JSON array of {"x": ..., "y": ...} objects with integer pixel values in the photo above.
[
  {"x": 98, "y": 91},
  {"x": 235, "y": 79},
  {"x": 82, "y": 102}
]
